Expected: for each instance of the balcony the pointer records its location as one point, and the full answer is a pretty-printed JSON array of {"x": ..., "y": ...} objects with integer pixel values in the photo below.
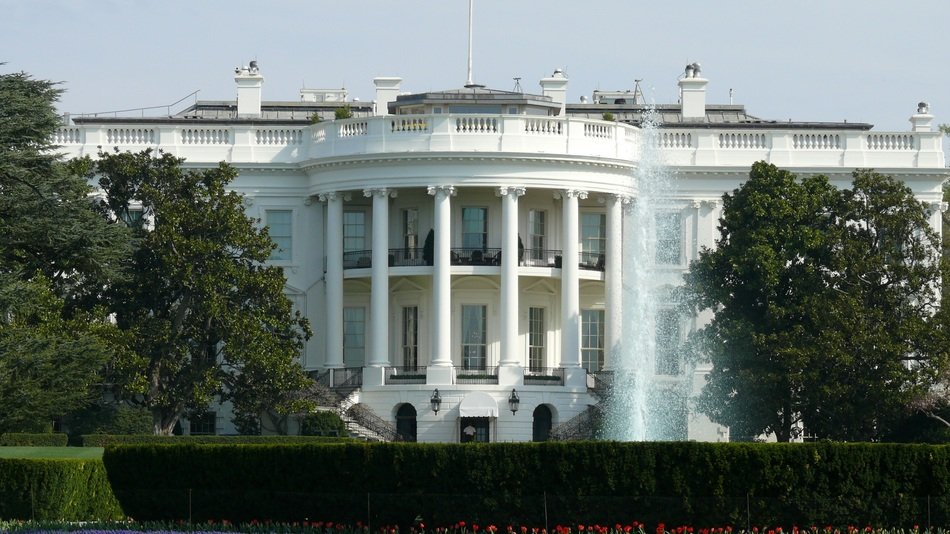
[
  {"x": 402, "y": 257},
  {"x": 544, "y": 376}
]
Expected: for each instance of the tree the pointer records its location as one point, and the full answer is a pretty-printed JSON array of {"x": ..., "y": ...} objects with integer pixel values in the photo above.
[
  {"x": 56, "y": 256},
  {"x": 205, "y": 316},
  {"x": 822, "y": 300}
]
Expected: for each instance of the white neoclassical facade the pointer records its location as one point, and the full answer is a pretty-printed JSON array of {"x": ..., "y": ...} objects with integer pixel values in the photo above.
[{"x": 456, "y": 251}]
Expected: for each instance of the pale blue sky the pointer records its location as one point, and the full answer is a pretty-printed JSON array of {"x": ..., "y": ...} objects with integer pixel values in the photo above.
[{"x": 831, "y": 60}]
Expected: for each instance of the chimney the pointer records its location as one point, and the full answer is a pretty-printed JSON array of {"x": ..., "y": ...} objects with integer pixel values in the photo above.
[
  {"x": 249, "y": 82},
  {"x": 387, "y": 88},
  {"x": 922, "y": 121},
  {"x": 693, "y": 91},
  {"x": 556, "y": 88}
]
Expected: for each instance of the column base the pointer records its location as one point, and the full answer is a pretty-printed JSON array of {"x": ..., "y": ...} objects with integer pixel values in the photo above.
[
  {"x": 511, "y": 375},
  {"x": 441, "y": 375},
  {"x": 374, "y": 376},
  {"x": 575, "y": 377}
]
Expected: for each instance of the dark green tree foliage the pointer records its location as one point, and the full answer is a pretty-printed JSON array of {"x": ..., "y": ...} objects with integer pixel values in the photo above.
[
  {"x": 823, "y": 300},
  {"x": 205, "y": 315},
  {"x": 57, "y": 254}
]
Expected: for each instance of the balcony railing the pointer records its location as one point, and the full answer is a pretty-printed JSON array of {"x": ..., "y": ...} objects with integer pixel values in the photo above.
[
  {"x": 534, "y": 257},
  {"x": 476, "y": 256},
  {"x": 358, "y": 259},
  {"x": 402, "y": 257},
  {"x": 544, "y": 376},
  {"x": 591, "y": 261},
  {"x": 485, "y": 375},
  {"x": 405, "y": 375}
]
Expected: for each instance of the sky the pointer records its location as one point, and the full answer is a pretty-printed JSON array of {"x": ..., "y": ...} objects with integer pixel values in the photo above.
[{"x": 807, "y": 60}]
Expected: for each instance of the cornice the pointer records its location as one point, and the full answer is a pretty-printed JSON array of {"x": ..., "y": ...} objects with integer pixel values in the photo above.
[{"x": 456, "y": 158}]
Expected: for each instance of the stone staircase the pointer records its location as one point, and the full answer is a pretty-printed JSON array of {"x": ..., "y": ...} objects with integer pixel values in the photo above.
[{"x": 360, "y": 421}]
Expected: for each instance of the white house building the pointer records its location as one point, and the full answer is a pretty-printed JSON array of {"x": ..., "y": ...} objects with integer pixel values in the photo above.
[{"x": 498, "y": 328}]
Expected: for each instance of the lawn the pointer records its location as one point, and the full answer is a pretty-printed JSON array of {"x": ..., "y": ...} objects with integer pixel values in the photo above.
[{"x": 50, "y": 452}]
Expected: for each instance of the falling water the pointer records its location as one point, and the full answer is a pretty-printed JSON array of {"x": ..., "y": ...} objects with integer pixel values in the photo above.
[{"x": 636, "y": 409}]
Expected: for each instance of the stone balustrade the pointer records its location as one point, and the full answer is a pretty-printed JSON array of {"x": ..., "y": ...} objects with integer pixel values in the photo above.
[{"x": 554, "y": 136}]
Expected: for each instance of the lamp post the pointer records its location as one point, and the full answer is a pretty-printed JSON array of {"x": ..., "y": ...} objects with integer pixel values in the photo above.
[
  {"x": 513, "y": 401},
  {"x": 436, "y": 401}
]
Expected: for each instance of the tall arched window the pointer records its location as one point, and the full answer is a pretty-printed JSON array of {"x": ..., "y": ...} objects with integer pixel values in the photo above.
[
  {"x": 541, "y": 427},
  {"x": 406, "y": 422}
]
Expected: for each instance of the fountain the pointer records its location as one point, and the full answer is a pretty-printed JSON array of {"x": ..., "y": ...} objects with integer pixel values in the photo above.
[{"x": 640, "y": 405}]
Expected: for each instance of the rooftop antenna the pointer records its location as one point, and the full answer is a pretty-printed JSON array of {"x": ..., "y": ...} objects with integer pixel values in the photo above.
[
  {"x": 730, "y": 96},
  {"x": 469, "y": 82},
  {"x": 517, "y": 88},
  {"x": 637, "y": 93}
]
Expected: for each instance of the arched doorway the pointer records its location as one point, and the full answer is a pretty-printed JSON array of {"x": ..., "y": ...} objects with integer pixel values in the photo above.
[
  {"x": 541, "y": 426},
  {"x": 406, "y": 422}
]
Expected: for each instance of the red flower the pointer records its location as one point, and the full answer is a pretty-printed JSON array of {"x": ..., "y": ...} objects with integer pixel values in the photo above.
[
  {"x": 580, "y": 528},
  {"x": 627, "y": 528},
  {"x": 474, "y": 527}
]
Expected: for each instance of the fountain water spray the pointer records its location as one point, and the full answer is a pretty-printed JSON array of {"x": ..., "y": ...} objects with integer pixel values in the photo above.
[{"x": 637, "y": 407}]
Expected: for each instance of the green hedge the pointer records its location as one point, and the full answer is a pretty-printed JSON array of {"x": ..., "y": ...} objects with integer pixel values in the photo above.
[
  {"x": 104, "y": 440},
  {"x": 600, "y": 482},
  {"x": 19, "y": 439},
  {"x": 68, "y": 490}
]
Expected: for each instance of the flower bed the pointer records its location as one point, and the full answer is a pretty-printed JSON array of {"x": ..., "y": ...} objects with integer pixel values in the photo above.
[{"x": 461, "y": 527}]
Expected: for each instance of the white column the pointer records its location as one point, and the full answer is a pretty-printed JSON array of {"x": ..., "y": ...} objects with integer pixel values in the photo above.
[
  {"x": 570, "y": 286},
  {"x": 510, "y": 350},
  {"x": 379, "y": 296},
  {"x": 334, "y": 279},
  {"x": 441, "y": 277},
  {"x": 613, "y": 279}
]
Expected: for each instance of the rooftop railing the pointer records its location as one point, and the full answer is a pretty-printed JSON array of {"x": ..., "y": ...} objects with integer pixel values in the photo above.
[{"x": 261, "y": 143}]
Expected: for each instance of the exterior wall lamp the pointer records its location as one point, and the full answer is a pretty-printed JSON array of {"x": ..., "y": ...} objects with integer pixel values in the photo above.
[
  {"x": 436, "y": 401},
  {"x": 513, "y": 401}
]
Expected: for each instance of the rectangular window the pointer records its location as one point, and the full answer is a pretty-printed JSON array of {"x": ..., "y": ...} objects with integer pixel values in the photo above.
[
  {"x": 410, "y": 337},
  {"x": 354, "y": 231},
  {"x": 668, "y": 334},
  {"x": 280, "y": 228},
  {"x": 474, "y": 337},
  {"x": 354, "y": 336},
  {"x": 592, "y": 340},
  {"x": 536, "y": 237},
  {"x": 669, "y": 242},
  {"x": 410, "y": 231},
  {"x": 593, "y": 238},
  {"x": 536, "y": 338},
  {"x": 132, "y": 217},
  {"x": 475, "y": 228},
  {"x": 202, "y": 424}
]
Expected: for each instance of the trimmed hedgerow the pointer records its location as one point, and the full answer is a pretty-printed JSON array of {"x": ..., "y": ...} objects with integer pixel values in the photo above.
[
  {"x": 103, "y": 440},
  {"x": 681, "y": 483},
  {"x": 61, "y": 489},
  {"x": 22, "y": 439}
]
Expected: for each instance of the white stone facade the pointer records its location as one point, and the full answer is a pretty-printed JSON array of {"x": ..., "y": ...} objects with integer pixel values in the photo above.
[{"x": 529, "y": 177}]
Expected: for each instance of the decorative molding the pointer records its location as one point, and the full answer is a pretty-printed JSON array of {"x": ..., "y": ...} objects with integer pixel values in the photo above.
[
  {"x": 448, "y": 190},
  {"x": 569, "y": 193},
  {"x": 710, "y": 204},
  {"x": 380, "y": 192},
  {"x": 505, "y": 190}
]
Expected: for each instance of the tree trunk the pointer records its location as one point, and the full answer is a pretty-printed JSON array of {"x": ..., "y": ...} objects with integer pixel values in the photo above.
[{"x": 163, "y": 423}]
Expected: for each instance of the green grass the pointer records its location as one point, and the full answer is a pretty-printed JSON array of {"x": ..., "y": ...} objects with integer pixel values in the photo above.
[{"x": 50, "y": 452}]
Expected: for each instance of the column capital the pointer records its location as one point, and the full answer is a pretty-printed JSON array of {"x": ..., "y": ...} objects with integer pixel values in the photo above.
[
  {"x": 448, "y": 190},
  {"x": 695, "y": 204},
  {"x": 711, "y": 204},
  {"x": 330, "y": 196},
  {"x": 935, "y": 207},
  {"x": 505, "y": 190},
  {"x": 570, "y": 193},
  {"x": 380, "y": 192}
]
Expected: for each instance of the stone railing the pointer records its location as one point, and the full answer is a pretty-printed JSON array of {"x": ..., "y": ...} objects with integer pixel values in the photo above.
[
  {"x": 568, "y": 137},
  {"x": 801, "y": 148}
]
